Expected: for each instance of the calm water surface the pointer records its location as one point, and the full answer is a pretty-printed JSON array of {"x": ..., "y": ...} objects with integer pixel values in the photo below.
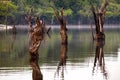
[{"x": 83, "y": 59}]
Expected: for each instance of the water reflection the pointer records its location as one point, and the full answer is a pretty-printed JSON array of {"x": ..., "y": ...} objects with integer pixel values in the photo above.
[
  {"x": 99, "y": 61},
  {"x": 36, "y": 73},
  {"x": 62, "y": 63},
  {"x": 16, "y": 64}
]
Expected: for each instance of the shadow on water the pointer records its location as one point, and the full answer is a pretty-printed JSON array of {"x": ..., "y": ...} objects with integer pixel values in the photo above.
[{"x": 99, "y": 61}]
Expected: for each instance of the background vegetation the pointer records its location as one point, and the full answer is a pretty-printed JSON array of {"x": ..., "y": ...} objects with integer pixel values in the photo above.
[{"x": 76, "y": 11}]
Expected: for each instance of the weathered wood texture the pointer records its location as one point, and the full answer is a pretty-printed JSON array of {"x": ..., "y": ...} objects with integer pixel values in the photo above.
[
  {"x": 36, "y": 36},
  {"x": 63, "y": 30},
  {"x": 99, "y": 17}
]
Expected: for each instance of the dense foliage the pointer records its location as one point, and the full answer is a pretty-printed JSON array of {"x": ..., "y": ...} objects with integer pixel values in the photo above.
[
  {"x": 75, "y": 10},
  {"x": 7, "y": 8}
]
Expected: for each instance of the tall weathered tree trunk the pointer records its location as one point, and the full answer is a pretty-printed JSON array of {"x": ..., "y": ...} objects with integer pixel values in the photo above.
[
  {"x": 63, "y": 30},
  {"x": 36, "y": 37},
  {"x": 99, "y": 20}
]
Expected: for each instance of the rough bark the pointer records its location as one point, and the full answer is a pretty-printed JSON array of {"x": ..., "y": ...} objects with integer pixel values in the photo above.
[
  {"x": 36, "y": 37},
  {"x": 99, "y": 17},
  {"x": 63, "y": 30},
  {"x": 103, "y": 6}
]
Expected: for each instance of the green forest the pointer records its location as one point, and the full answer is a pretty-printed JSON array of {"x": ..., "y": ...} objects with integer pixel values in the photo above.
[{"x": 76, "y": 11}]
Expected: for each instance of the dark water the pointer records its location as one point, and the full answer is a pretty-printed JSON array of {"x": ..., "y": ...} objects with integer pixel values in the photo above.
[{"x": 80, "y": 62}]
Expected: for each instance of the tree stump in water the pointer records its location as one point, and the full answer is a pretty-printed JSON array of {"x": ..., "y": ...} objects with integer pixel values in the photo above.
[
  {"x": 36, "y": 37},
  {"x": 63, "y": 30},
  {"x": 99, "y": 17}
]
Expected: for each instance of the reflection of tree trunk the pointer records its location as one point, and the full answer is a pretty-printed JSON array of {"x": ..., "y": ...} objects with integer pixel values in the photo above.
[
  {"x": 36, "y": 74},
  {"x": 63, "y": 55},
  {"x": 99, "y": 58},
  {"x": 62, "y": 62}
]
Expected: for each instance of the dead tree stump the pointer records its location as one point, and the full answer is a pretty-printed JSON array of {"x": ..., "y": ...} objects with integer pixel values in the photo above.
[
  {"x": 99, "y": 17},
  {"x": 36, "y": 37},
  {"x": 63, "y": 30}
]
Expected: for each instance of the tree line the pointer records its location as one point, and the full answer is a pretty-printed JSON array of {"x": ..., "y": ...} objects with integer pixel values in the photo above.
[{"x": 76, "y": 11}]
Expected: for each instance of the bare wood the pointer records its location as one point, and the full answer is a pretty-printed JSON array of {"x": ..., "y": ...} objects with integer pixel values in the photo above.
[
  {"x": 102, "y": 14},
  {"x": 99, "y": 18},
  {"x": 36, "y": 37},
  {"x": 63, "y": 30},
  {"x": 103, "y": 6}
]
